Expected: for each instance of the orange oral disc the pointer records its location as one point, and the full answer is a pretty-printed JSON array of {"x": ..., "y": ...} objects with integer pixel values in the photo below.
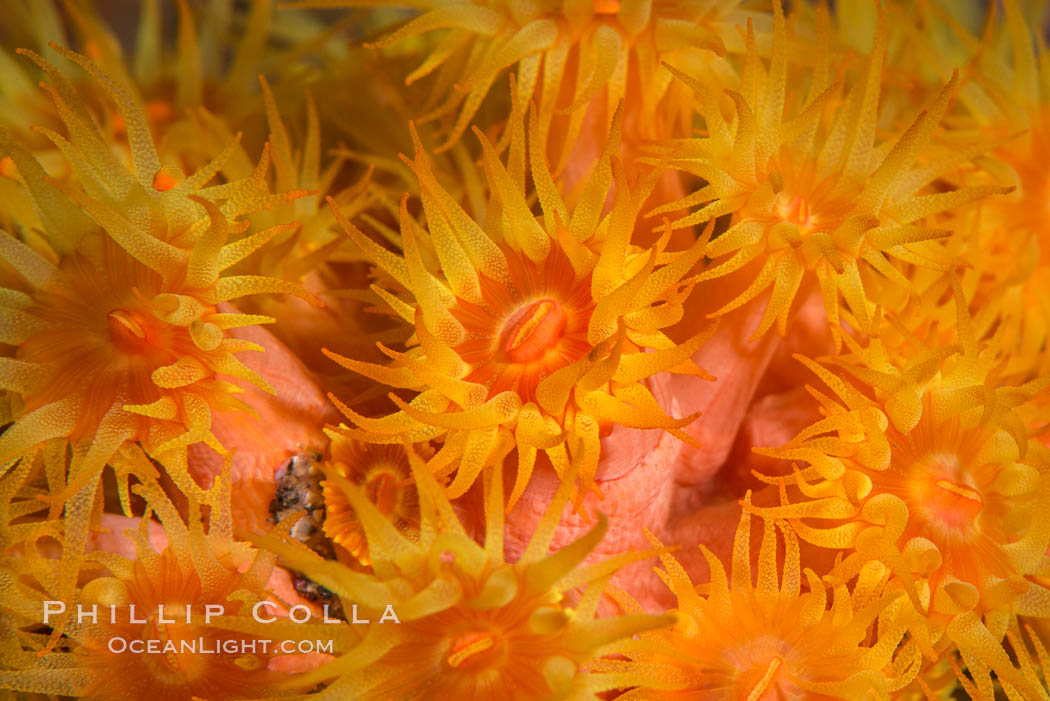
[
  {"x": 468, "y": 646},
  {"x": 532, "y": 331}
]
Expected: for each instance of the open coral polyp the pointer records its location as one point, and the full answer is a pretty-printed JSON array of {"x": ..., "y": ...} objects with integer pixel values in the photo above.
[
  {"x": 929, "y": 470},
  {"x": 531, "y": 334},
  {"x": 135, "y": 289},
  {"x": 472, "y": 625},
  {"x": 114, "y": 315},
  {"x": 765, "y": 638},
  {"x": 569, "y": 57},
  {"x": 171, "y": 645},
  {"x": 813, "y": 196}
]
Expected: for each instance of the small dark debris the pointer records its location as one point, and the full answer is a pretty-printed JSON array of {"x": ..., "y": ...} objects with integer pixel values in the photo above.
[
  {"x": 312, "y": 591},
  {"x": 299, "y": 492}
]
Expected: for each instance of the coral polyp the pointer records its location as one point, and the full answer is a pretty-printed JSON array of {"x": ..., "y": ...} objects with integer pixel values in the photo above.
[
  {"x": 382, "y": 472},
  {"x": 470, "y": 624},
  {"x": 119, "y": 340},
  {"x": 535, "y": 334},
  {"x": 813, "y": 198},
  {"x": 135, "y": 290},
  {"x": 569, "y": 57},
  {"x": 99, "y": 354},
  {"x": 763, "y": 638},
  {"x": 950, "y": 496},
  {"x": 1007, "y": 107},
  {"x": 174, "y": 598},
  {"x": 137, "y": 298}
]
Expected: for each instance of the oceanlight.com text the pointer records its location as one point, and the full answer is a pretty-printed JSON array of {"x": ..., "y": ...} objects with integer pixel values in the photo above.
[{"x": 232, "y": 646}]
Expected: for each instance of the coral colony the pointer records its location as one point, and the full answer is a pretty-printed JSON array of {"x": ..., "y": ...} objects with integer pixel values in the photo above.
[{"x": 525, "y": 349}]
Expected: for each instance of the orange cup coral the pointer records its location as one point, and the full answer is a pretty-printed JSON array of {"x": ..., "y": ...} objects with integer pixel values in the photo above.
[
  {"x": 470, "y": 624},
  {"x": 533, "y": 337},
  {"x": 521, "y": 328},
  {"x": 763, "y": 639},
  {"x": 152, "y": 626}
]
